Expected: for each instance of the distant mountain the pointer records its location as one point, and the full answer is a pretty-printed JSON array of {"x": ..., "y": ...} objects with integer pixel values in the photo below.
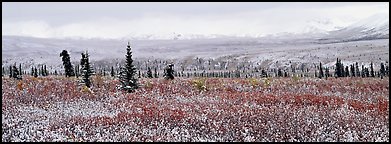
[
  {"x": 321, "y": 26},
  {"x": 175, "y": 36},
  {"x": 373, "y": 27}
]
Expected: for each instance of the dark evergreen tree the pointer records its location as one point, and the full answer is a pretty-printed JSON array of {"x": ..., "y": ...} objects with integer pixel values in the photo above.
[
  {"x": 279, "y": 74},
  {"x": 263, "y": 73},
  {"x": 128, "y": 73},
  {"x": 321, "y": 74},
  {"x": 338, "y": 68},
  {"x": 82, "y": 61},
  {"x": 112, "y": 72},
  {"x": 293, "y": 69},
  {"x": 66, "y": 59},
  {"x": 149, "y": 73},
  {"x": 177, "y": 74},
  {"x": 16, "y": 73},
  {"x": 10, "y": 73},
  {"x": 237, "y": 74},
  {"x": 169, "y": 72},
  {"x": 45, "y": 70},
  {"x": 32, "y": 71},
  {"x": 342, "y": 69},
  {"x": 327, "y": 71},
  {"x": 366, "y": 72},
  {"x": 87, "y": 71},
  {"x": 35, "y": 72},
  {"x": 156, "y": 74},
  {"x": 20, "y": 69},
  {"x": 346, "y": 71},
  {"x": 42, "y": 71}
]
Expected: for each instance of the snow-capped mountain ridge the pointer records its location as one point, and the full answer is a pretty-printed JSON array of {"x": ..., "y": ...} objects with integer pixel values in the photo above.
[
  {"x": 374, "y": 21},
  {"x": 373, "y": 27}
]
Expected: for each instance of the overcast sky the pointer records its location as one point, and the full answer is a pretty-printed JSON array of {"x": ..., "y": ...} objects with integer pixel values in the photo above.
[{"x": 118, "y": 20}]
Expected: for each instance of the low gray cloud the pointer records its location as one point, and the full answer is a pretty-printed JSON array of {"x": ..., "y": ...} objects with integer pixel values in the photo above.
[{"x": 118, "y": 20}]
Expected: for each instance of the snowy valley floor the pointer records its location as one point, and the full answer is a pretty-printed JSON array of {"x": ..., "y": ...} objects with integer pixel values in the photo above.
[{"x": 196, "y": 109}]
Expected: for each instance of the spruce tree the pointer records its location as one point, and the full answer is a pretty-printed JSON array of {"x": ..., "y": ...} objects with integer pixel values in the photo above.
[
  {"x": 32, "y": 71},
  {"x": 263, "y": 73},
  {"x": 342, "y": 69},
  {"x": 40, "y": 72},
  {"x": 279, "y": 73},
  {"x": 45, "y": 70},
  {"x": 149, "y": 73},
  {"x": 20, "y": 69},
  {"x": 87, "y": 71},
  {"x": 169, "y": 72},
  {"x": 82, "y": 60},
  {"x": 320, "y": 70},
  {"x": 10, "y": 74},
  {"x": 237, "y": 74},
  {"x": 128, "y": 73},
  {"x": 352, "y": 71},
  {"x": 66, "y": 59},
  {"x": 156, "y": 75},
  {"x": 112, "y": 72},
  {"x": 337, "y": 69},
  {"x": 347, "y": 71},
  {"x": 15, "y": 73},
  {"x": 366, "y": 72},
  {"x": 35, "y": 72}
]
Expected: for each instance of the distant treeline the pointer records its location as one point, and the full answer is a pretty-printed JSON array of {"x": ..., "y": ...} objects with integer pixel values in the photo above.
[{"x": 209, "y": 68}]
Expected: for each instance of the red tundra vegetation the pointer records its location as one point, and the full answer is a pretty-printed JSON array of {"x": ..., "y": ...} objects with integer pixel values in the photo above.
[{"x": 212, "y": 109}]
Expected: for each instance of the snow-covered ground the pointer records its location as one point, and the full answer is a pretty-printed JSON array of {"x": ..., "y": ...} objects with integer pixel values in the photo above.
[{"x": 271, "y": 52}]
